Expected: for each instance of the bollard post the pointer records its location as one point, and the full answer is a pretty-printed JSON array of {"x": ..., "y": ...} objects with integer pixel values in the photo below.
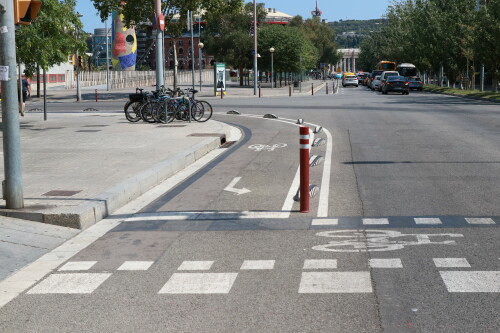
[
  {"x": 221, "y": 94},
  {"x": 327, "y": 88},
  {"x": 290, "y": 91},
  {"x": 304, "y": 169},
  {"x": 312, "y": 89},
  {"x": 96, "y": 96},
  {"x": 260, "y": 94}
]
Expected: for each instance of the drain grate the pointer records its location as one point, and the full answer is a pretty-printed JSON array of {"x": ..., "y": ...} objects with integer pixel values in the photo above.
[
  {"x": 227, "y": 144},
  {"x": 60, "y": 193},
  {"x": 221, "y": 136},
  {"x": 90, "y": 110}
]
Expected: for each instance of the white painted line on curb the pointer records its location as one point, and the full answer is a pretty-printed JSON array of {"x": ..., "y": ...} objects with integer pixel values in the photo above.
[
  {"x": 451, "y": 262},
  {"x": 199, "y": 283},
  {"x": 77, "y": 266},
  {"x": 471, "y": 281},
  {"x": 426, "y": 220},
  {"x": 195, "y": 266},
  {"x": 135, "y": 266},
  {"x": 257, "y": 264}
]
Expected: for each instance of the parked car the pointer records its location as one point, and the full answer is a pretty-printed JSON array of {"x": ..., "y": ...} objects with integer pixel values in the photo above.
[
  {"x": 384, "y": 76},
  {"x": 415, "y": 83},
  {"x": 349, "y": 79},
  {"x": 375, "y": 83},
  {"x": 396, "y": 84}
]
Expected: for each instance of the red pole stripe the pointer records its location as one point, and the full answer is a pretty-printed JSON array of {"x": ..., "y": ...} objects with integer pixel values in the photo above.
[{"x": 304, "y": 169}]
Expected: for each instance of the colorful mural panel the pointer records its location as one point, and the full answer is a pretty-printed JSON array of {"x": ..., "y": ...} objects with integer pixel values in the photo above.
[{"x": 124, "y": 45}]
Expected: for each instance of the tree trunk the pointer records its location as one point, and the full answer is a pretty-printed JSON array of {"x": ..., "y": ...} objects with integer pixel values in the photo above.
[{"x": 242, "y": 75}]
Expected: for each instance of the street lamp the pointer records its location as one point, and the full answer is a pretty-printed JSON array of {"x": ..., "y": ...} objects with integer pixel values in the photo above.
[
  {"x": 200, "y": 48},
  {"x": 78, "y": 94},
  {"x": 272, "y": 66}
]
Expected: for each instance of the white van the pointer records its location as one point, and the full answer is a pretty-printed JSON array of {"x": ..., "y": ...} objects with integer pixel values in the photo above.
[{"x": 384, "y": 76}]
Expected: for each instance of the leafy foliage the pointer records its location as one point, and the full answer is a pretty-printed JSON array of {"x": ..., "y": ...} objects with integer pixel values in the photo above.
[{"x": 51, "y": 38}]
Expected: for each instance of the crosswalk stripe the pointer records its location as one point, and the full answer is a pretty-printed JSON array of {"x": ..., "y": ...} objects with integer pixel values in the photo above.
[
  {"x": 70, "y": 283},
  {"x": 472, "y": 220},
  {"x": 471, "y": 281},
  {"x": 77, "y": 266},
  {"x": 432, "y": 221},
  {"x": 199, "y": 283},
  {"x": 451, "y": 262},
  {"x": 375, "y": 221}
]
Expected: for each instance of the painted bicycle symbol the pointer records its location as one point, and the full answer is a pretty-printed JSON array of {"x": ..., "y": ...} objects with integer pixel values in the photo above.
[
  {"x": 262, "y": 147},
  {"x": 378, "y": 240}
]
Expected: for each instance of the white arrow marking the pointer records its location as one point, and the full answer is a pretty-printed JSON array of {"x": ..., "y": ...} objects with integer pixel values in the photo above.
[{"x": 238, "y": 191}]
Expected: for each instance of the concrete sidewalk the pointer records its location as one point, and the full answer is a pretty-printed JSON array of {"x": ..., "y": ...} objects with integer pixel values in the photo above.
[{"x": 79, "y": 168}]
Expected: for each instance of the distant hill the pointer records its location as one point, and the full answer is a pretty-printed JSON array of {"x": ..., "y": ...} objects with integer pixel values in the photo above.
[{"x": 350, "y": 33}]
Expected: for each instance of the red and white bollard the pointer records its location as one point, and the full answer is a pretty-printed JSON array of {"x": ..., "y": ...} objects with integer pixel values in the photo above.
[{"x": 304, "y": 169}]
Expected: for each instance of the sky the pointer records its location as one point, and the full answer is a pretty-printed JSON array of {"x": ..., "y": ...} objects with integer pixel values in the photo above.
[{"x": 333, "y": 10}]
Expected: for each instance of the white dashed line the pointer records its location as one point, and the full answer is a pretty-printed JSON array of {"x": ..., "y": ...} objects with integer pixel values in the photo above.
[
  {"x": 258, "y": 264},
  {"x": 325, "y": 222},
  {"x": 375, "y": 221},
  {"x": 386, "y": 263},
  {"x": 472, "y": 220},
  {"x": 471, "y": 282},
  {"x": 135, "y": 266},
  {"x": 195, "y": 266},
  {"x": 199, "y": 283},
  {"x": 431, "y": 221},
  {"x": 77, "y": 266},
  {"x": 320, "y": 264},
  {"x": 335, "y": 282},
  {"x": 70, "y": 283},
  {"x": 451, "y": 262}
]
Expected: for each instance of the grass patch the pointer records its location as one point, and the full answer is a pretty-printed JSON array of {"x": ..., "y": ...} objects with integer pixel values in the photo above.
[{"x": 461, "y": 92}]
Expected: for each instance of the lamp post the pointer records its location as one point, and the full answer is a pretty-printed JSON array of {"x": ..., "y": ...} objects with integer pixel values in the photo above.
[
  {"x": 272, "y": 67},
  {"x": 78, "y": 93},
  {"x": 254, "y": 47},
  {"x": 200, "y": 48},
  {"x": 107, "y": 55}
]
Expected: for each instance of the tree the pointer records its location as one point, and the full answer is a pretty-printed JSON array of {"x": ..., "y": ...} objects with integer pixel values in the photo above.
[
  {"x": 322, "y": 36},
  {"x": 228, "y": 37},
  {"x": 51, "y": 38}
]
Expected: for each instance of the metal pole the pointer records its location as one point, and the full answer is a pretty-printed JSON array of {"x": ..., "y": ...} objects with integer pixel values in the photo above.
[
  {"x": 78, "y": 94},
  {"x": 192, "y": 47},
  {"x": 13, "y": 193},
  {"x": 272, "y": 70},
  {"x": 482, "y": 77},
  {"x": 44, "y": 94},
  {"x": 159, "y": 48},
  {"x": 254, "y": 47},
  {"x": 107, "y": 56},
  {"x": 304, "y": 169},
  {"x": 200, "y": 50}
]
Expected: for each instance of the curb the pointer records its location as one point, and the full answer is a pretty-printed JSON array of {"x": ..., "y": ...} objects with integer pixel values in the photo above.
[
  {"x": 104, "y": 204},
  {"x": 462, "y": 96}
]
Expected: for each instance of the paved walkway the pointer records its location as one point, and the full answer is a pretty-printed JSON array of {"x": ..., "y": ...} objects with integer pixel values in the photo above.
[{"x": 55, "y": 95}]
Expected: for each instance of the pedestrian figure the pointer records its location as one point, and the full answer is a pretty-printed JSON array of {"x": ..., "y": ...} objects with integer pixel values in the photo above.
[{"x": 26, "y": 92}]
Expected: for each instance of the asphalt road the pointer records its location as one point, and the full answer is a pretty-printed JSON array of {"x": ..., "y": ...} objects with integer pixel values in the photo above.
[{"x": 403, "y": 235}]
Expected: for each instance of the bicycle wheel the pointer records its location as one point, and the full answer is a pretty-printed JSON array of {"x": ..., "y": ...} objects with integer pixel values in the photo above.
[
  {"x": 201, "y": 111},
  {"x": 163, "y": 112},
  {"x": 147, "y": 112},
  {"x": 181, "y": 110},
  {"x": 132, "y": 111}
]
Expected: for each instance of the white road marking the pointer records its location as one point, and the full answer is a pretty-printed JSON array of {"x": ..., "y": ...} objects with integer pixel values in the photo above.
[
  {"x": 427, "y": 220},
  {"x": 77, "y": 266},
  {"x": 472, "y": 220},
  {"x": 199, "y": 283},
  {"x": 386, "y": 263},
  {"x": 325, "y": 222},
  {"x": 195, "y": 266},
  {"x": 320, "y": 264},
  {"x": 231, "y": 187},
  {"x": 451, "y": 262},
  {"x": 257, "y": 264},
  {"x": 208, "y": 215},
  {"x": 70, "y": 283},
  {"x": 335, "y": 282},
  {"x": 375, "y": 221},
  {"x": 325, "y": 179},
  {"x": 471, "y": 282},
  {"x": 135, "y": 266}
]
